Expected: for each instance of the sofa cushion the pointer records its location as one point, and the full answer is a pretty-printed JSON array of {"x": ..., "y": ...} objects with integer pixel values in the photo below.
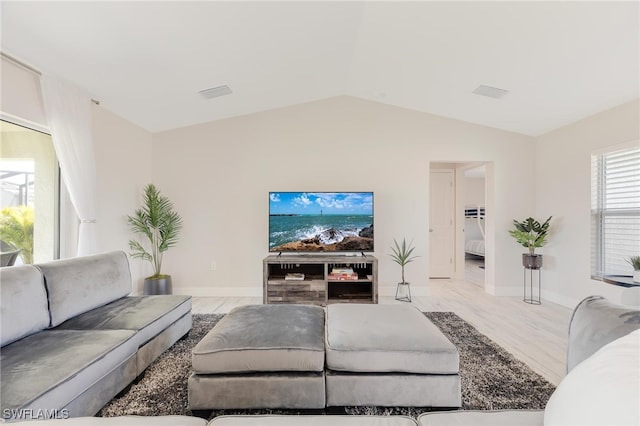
[
  {"x": 264, "y": 338},
  {"x": 49, "y": 369},
  {"x": 270, "y": 390},
  {"x": 24, "y": 303},
  {"x": 596, "y": 322},
  {"x": 307, "y": 420},
  {"x": 603, "y": 390},
  {"x": 80, "y": 284},
  {"x": 386, "y": 338},
  {"x": 122, "y": 421},
  {"x": 482, "y": 418},
  {"x": 147, "y": 315},
  {"x": 393, "y": 389}
]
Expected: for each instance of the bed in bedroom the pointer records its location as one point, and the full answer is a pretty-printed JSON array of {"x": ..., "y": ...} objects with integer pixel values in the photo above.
[
  {"x": 474, "y": 247},
  {"x": 474, "y": 230}
]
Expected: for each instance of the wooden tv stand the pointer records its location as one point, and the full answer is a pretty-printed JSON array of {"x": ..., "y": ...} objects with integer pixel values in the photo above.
[{"x": 317, "y": 287}]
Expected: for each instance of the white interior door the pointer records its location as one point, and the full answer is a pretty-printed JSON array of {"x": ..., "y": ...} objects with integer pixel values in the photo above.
[{"x": 441, "y": 231}]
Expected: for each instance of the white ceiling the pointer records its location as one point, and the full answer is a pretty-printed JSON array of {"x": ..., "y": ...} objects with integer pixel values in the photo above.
[{"x": 146, "y": 61}]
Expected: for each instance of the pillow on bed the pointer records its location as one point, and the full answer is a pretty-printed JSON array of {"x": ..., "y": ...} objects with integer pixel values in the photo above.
[{"x": 604, "y": 389}]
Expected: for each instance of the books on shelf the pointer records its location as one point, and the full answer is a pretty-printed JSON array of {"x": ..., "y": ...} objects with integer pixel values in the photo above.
[
  {"x": 294, "y": 276},
  {"x": 343, "y": 274},
  {"x": 334, "y": 277}
]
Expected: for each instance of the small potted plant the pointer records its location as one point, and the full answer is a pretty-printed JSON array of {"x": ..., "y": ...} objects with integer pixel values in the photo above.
[
  {"x": 531, "y": 234},
  {"x": 634, "y": 261},
  {"x": 402, "y": 256},
  {"x": 160, "y": 225}
]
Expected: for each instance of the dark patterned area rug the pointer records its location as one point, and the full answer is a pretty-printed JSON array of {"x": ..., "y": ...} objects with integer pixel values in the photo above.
[{"x": 491, "y": 377}]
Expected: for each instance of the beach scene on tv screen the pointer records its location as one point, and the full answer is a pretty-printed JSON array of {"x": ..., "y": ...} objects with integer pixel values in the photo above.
[{"x": 320, "y": 221}]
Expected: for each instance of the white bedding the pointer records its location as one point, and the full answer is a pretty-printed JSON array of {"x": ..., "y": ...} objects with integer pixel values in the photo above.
[{"x": 475, "y": 247}]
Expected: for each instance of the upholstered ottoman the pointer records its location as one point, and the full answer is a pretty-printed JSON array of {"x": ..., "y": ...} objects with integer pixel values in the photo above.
[
  {"x": 388, "y": 355},
  {"x": 319, "y": 420},
  {"x": 261, "y": 356}
]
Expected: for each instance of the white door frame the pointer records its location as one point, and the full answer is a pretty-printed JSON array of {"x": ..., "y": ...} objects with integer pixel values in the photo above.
[
  {"x": 489, "y": 257},
  {"x": 490, "y": 228}
]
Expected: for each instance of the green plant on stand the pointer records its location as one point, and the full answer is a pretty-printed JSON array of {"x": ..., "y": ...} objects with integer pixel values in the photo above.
[
  {"x": 634, "y": 261},
  {"x": 402, "y": 255},
  {"x": 160, "y": 226},
  {"x": 531, "y": 234},
  {"x": 16, "y": 229}
]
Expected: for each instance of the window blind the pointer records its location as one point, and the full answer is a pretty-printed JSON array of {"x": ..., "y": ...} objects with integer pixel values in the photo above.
[{"x": 615, "y": 211}]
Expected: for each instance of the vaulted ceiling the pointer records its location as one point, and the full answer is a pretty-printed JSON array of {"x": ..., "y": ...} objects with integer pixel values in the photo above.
[{"x": 146, "y": 61}]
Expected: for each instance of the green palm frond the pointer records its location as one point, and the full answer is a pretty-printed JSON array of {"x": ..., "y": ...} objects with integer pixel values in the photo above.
[
  {"x": 634, "y": 261},
  {"x": 402, "y": 254},
  {"x": 16, "y": 229},
  {"x": 158, "y": 223}
]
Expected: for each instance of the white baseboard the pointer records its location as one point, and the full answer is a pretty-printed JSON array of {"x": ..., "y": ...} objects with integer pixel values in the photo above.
[
  {"x": 559, "y": 299},
  {"x": 518, "y": 291},
  {"x": 510, "y": 291},
  {"x": 386, "y": 291},
  {"x": 390, "y": 291},
  {"x": 219, "y": 291}
]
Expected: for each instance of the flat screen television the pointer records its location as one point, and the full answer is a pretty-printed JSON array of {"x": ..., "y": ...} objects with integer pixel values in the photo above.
[{"x": 321, "y": 222}]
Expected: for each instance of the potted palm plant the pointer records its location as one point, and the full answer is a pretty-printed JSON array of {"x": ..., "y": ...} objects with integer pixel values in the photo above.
[
  {"x": 634, "y": 261},
  {"x": 401, "y": 254},
  {"x": 160, "y": 225},
  {"x": 531, "y": 234}
]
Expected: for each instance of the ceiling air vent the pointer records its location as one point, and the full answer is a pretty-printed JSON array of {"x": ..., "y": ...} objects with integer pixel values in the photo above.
[
  {"x": 492, "y": 92},
  {"x": 215, "y": 92}
]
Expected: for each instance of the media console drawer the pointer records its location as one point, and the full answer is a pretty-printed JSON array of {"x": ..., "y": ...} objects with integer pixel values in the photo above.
[{"x": 319, "y": 279}]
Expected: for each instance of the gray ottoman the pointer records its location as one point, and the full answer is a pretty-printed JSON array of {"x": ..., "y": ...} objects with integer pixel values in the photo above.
[
  {"x": 388, "y": 355},
  {"x": 261, "y": 356},
  {"x": 318, "y": 420}
]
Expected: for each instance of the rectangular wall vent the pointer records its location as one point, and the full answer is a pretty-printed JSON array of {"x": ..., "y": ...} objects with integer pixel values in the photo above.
[{"x": 215, "y": 92}]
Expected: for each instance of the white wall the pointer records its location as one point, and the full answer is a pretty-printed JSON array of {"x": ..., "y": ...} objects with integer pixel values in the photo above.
[
  {"x": 218, "y": 175},
  {"x": 123, "y": 155},
  {"x": 563, "y": 189},
  {"x": 474, "y": 191}
]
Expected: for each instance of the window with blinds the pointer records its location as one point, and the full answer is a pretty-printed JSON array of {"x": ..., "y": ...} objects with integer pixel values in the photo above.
[{"x": 615, "y": 211}]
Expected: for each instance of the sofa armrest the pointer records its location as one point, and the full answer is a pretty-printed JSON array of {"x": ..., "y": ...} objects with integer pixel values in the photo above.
[
  {"x": 596, "y": 322},
  {"x": 482, "y": 418}
]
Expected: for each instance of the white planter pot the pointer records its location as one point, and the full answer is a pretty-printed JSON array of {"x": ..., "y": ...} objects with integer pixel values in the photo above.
[{"x": 636, "y": 276}]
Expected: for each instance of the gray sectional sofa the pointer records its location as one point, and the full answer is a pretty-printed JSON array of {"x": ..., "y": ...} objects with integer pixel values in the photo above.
[
  {"x": 72, "y": 337},
  {"x": 602, "y": 386}
]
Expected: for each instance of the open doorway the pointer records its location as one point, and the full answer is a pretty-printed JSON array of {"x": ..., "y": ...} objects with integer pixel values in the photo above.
[
  {"x": 471, "y": 215},
  {"x": 473, "y": 194}
]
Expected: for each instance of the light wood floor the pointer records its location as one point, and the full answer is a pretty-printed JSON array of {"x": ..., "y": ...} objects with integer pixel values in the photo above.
[{"x": 535, "y": 334}]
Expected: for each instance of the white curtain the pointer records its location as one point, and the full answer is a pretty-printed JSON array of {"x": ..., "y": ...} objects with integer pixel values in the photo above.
[{"x": 68, "y": 112}]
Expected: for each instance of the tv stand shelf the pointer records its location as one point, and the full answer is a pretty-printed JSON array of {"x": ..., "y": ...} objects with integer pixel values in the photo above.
[{"x": 313, "y": 283}]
